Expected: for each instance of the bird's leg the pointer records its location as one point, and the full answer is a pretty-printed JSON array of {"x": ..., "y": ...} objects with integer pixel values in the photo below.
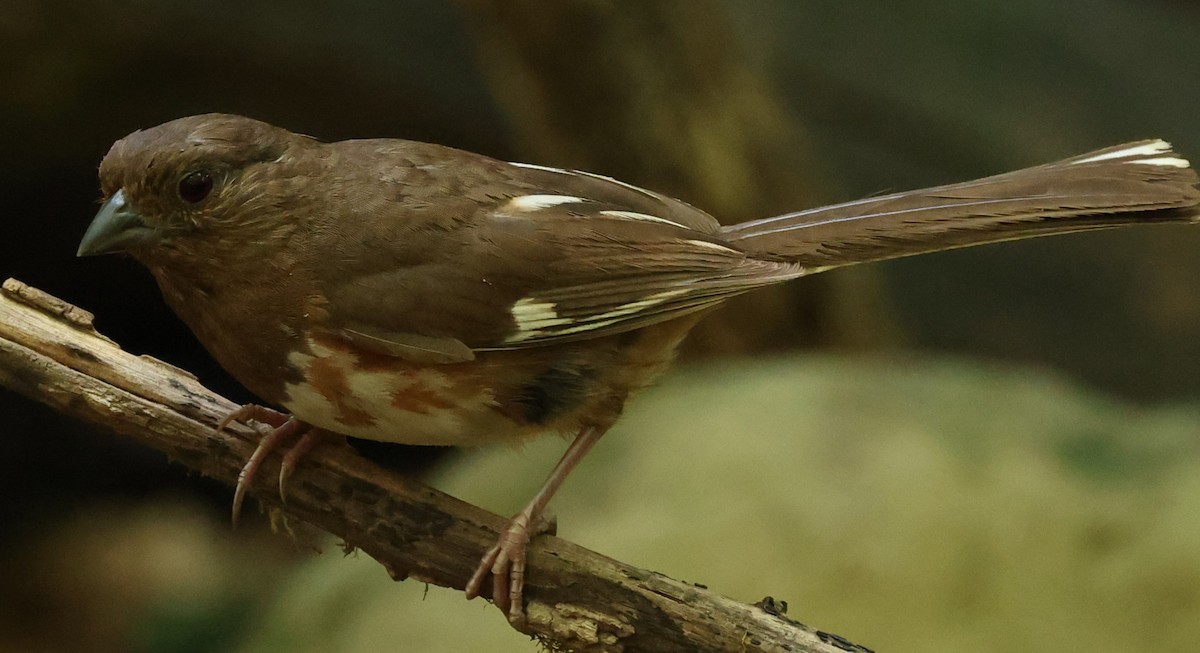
[
  {"x": 284, "y": 427},
  {"x": 505, "y": 562}
]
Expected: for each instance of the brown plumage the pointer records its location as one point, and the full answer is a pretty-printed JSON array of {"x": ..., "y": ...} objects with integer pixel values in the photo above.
[{"x": 408, "y": 292}]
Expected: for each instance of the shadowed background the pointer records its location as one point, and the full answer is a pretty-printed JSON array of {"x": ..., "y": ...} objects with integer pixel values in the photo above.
[{"x": 744, "y": 109}]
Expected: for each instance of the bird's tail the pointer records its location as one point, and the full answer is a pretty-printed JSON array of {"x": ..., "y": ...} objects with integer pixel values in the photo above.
[{"x": 1136, "y": 183}]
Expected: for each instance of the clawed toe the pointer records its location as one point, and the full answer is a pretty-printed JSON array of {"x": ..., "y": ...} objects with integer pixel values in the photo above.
[
  {"x": 257, "y": 413},
  {"x": 291, "y": 459},
  {"x": 284, "y": 427},
  {"x": 505, "y": 564}
]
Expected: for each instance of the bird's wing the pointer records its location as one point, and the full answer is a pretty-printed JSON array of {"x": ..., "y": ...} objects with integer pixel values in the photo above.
[{"x": 538, "y": 270}]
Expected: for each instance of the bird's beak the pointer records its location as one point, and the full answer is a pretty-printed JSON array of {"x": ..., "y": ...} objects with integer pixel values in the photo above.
[{"x": 116, "y": 228}]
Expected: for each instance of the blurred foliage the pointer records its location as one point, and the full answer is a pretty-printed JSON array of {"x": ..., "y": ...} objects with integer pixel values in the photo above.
[
  {"x": 165, "y": 576},
  {"x": 659, "y": 94}
]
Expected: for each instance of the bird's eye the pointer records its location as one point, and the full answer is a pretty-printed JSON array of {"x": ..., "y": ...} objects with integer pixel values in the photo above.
[{"x": 195, "y": 186}]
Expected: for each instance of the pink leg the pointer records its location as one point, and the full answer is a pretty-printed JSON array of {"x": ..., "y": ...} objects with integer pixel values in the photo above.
[
  {"x": 285, "y": 427},
  {"x": 505, "y": 562}
]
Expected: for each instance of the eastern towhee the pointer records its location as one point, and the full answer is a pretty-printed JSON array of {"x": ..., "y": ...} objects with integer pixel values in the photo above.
[{"x": 408, "y": 292}]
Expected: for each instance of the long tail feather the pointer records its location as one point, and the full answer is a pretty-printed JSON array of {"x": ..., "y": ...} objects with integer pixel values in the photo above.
[{"x": 1134, "y": 183}]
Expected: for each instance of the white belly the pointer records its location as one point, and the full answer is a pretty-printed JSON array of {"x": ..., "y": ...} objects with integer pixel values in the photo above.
[{"x": 404, "y": 404}]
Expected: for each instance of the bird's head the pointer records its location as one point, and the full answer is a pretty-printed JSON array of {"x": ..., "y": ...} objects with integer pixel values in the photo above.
[{"x": 168, "y": 187}]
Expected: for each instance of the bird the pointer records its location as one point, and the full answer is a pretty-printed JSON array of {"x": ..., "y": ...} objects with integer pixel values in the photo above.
[{"x": 409, "y": 292}]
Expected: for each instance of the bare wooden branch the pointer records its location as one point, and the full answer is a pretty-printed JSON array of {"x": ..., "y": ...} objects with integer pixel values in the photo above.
[{"x": 577, "y": 599}]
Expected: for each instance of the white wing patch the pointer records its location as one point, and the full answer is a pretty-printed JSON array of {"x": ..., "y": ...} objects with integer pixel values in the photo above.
[
  {"x": 532, "y": 166},
  {"x": 634, "y": 215},
  {"x": 581, "y": 173},
  {"x": 529, "y": 203},
  {"x": 536, "y": 318},
  {"x": 618, "y": 182},
  {"x": 532, "y": 203},
  {"x": 715, "y": 246}
]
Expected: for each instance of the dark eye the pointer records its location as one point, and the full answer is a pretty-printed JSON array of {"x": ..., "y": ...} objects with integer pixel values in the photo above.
[{"x": 195, "y": 186}]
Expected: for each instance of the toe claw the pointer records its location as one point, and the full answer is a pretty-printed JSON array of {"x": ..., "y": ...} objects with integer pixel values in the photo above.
[
  {"x": 292, "y": 458},
  {"x": 505, "y": 564},
  {"x": 239, "y": 495},
  {"x": 284, "y": 427},
  {"x": 475, "y": 584}
]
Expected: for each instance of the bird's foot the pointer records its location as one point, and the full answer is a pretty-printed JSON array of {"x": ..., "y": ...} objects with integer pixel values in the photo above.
[
  {"x": 284, "y": 427},
  {"x": 505, "y": 564}
]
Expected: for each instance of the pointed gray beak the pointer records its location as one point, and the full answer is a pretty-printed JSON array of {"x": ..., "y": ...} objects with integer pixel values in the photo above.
[{"x": 116, "y": 228}]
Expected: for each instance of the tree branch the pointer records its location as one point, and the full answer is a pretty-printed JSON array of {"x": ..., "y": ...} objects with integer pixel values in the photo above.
[{"x": 576, "y": 599}]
